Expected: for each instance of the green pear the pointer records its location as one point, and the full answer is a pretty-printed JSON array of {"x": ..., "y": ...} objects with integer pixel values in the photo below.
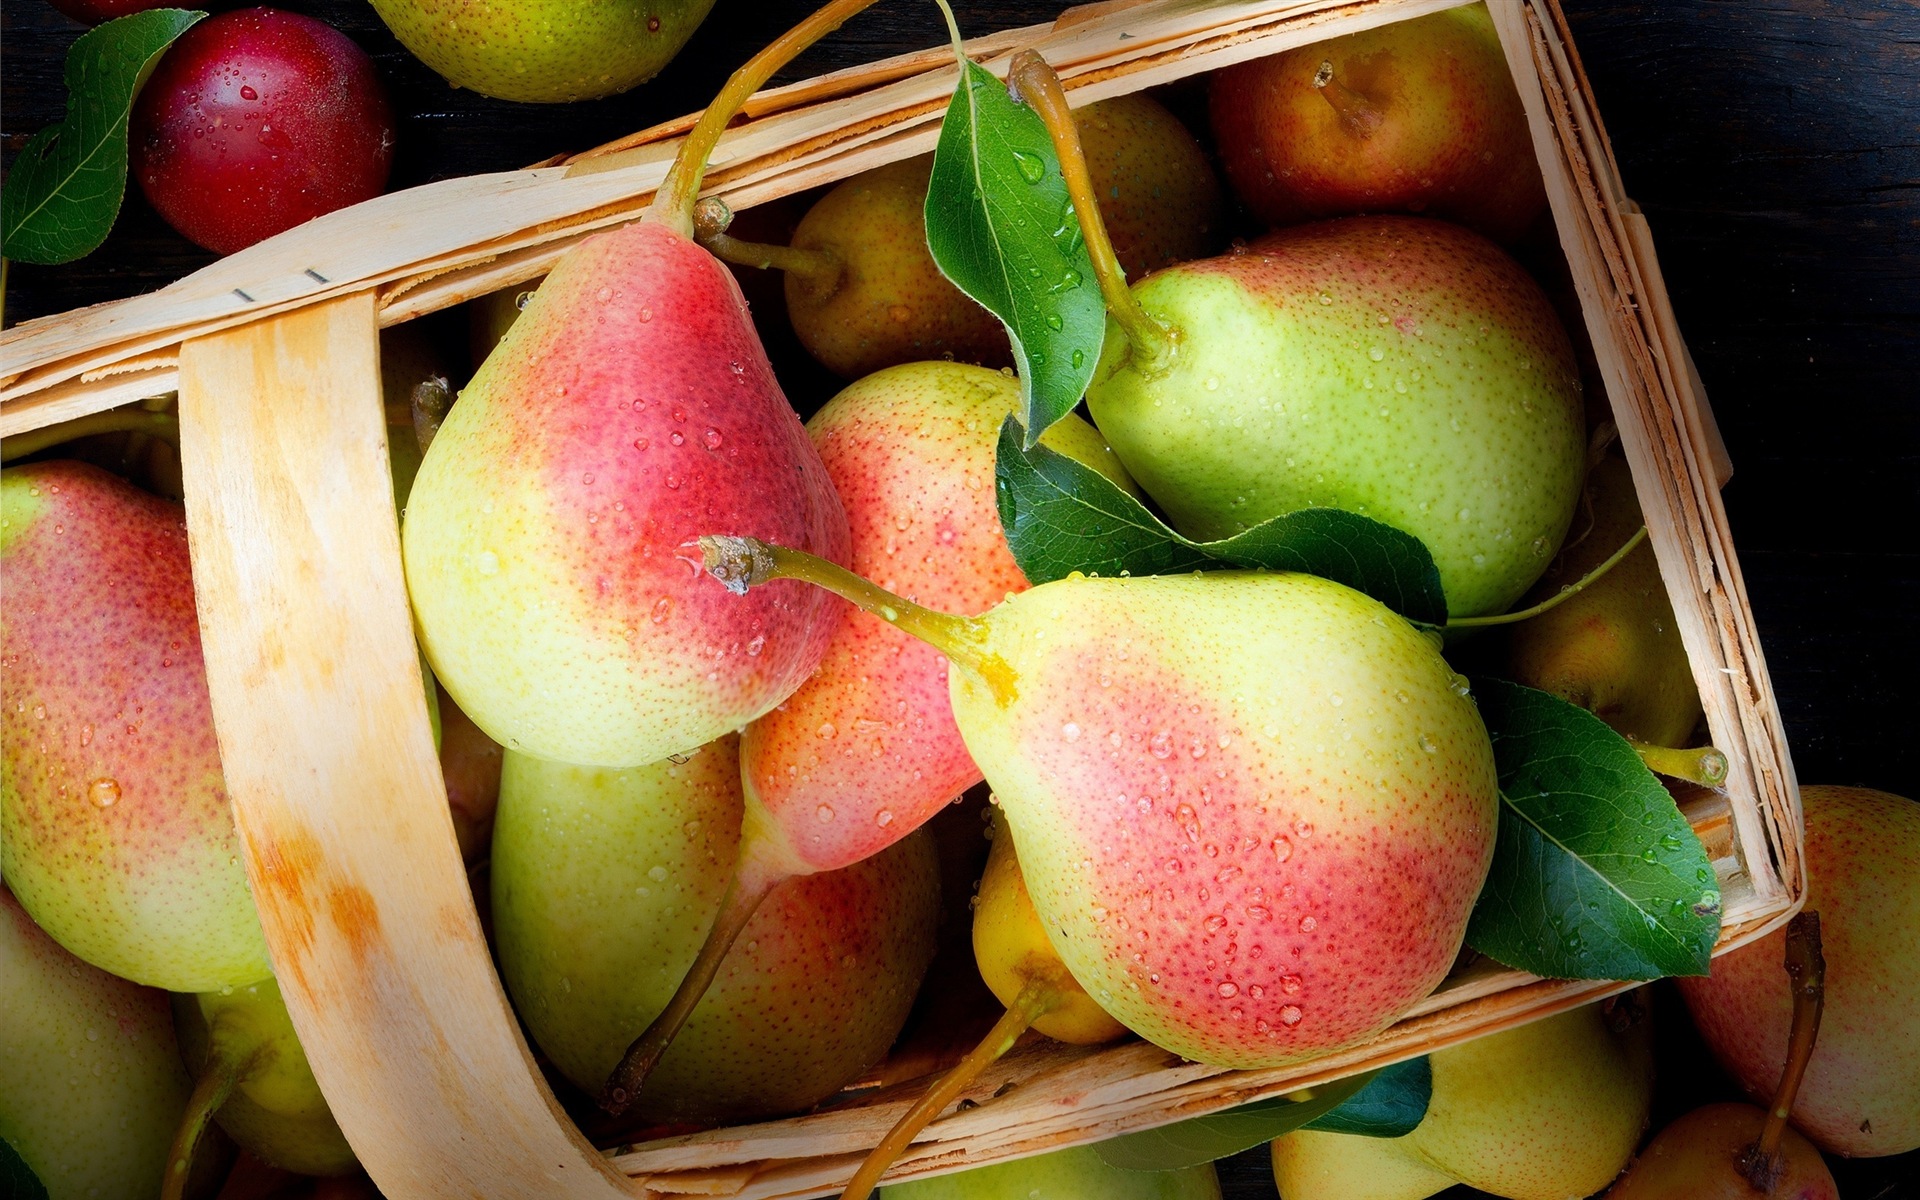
[
  {"x": 1414, "y": 116},
  {"x": 1861, "y": 1094},
  {"x": 628, "y": 409},
  {"x": 1076, "y": 1174},
  {"x": 1613, "y": 648},
  {"x": 242, "y": 1049},
  {"x": 1543, "y": 1112},
  {"x": 604, "y": 883},
  {"x": 1404, "y": 369},
  {"x": 862, "y": 289},
  {"x": 91, "y": 1085},
  {"x": 1253, "y": 809},
  {"x": 544, "y": 51},
  {"x": 115, "y": 829}
]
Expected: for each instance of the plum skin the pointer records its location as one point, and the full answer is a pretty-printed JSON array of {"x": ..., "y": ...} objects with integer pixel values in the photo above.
[{"x": 256, "y": 121}]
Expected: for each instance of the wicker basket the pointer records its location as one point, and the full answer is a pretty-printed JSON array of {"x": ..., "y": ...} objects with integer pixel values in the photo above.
[{"x": 314, "y": 675}]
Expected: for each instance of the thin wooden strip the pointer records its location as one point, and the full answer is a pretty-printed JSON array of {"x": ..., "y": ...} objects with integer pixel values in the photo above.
[
  {"x": 336, "y": 788},
  {"x": 84, "y": 398}
]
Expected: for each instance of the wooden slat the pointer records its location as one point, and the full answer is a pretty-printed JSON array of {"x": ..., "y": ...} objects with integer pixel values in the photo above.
[{"x": 329, "y": 759}]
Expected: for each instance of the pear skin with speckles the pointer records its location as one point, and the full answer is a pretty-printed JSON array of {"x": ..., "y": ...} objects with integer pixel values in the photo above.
[
  {"x": 549, "y": 540},
  {"x": 604, "y": 884},
  {"x": 1614, "y": 648},
  {"x": 91, "y": 1086},
  {"x": 544, "y": 52},
  {"x": 869, "y": 737},
  {"x": 1542, "y": 1112},
  {"x": 115, "y": 829},
  {"x": 1253, "y": 809},
  {"x": 1404, "y": 369}
]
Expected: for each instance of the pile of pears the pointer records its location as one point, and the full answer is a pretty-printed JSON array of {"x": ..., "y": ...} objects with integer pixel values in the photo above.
[{"x": 706, "y": 676}]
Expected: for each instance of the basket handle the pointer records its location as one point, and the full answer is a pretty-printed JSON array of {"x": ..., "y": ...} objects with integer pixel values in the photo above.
[{"x": 330, "y": 764}]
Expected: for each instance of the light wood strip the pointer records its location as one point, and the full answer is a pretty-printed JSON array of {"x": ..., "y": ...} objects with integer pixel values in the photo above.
[{"x": 322, "y": 724}]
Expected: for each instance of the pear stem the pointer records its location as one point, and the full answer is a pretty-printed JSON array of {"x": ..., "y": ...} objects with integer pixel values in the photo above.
[
  {"x": 1035, "y": 1000},
  {"x": 743, "y": 562},
  {"x": 114, "y": 420},
  {"x": 1704, "y": 765},
  {"x": 1807, "y": 969},
  {"x": 754, "y": 877},
  {"x": 1151, "y": 341},
  {"x": 1358, "y": 115},
  {"x": 1562, "y": 596},
  {"x": 673, "y": 204},
  {"x": 820, "y": 269},
  {"x": 427, "y": 407},
  {"x": 228, "y": 1062}
]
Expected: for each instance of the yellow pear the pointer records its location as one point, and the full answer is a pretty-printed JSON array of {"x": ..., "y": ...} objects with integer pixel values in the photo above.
[{"x": 1547, "y": 1111}]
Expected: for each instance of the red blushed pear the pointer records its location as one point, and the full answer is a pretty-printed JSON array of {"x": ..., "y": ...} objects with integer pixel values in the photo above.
[
  {"x": 1253, "y": 809},
  {"x": 115, "y": 829},
  {"x": 548, "y": 540},
  {"x": 866, "y": 750},
  {"x": 1417, "y": 116},
  {"x": 1861, "y": 1095}
]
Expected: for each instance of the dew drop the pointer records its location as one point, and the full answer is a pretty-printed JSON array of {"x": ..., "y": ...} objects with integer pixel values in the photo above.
[
  {"x": 824, "y": 812},
  {"x": 1032, "y": 167},
  {"x": 883, "y": 818},
  {"x": 104, "y": 792},
  {"x": 1290, "y": 1014},
  {"x": 1282, "y": 849},
  {"x": 1308, "y": 924},
  {"x": 247, "y": 92},
  {"x": 487, "y": 562},
  {"x": 1215, "y": 923},
  {"x": 1055, "y": 323},
  {"x": 1070, "y": 731},
  {"x": 827, "y": 732},
  {"x": 657, "y": 873},
  {"x": 1160, "y": 745},
  {"x": 1229, "y": 990},
  {"x": 1376, "y": 353}
]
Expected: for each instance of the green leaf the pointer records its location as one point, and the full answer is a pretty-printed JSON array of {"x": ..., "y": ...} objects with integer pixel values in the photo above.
[
  {"x": 1596, "y": 875},
  {"x": 1204, "y": 1139},
  {"x": 1001, "y": 227},
  {"x": 65, "y": 188},
  {"x": 1060, "y": 517},
  {"x": 17, "y": 1180},
  {"x": 1388, "y": 1105}
]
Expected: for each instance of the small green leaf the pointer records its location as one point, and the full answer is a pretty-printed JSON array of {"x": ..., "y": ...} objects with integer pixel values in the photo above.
[
  {"x": 65, "y": 188},
  {"x": 1204, "y": 1139},
  {"x": 1001, "y": 227},
  {"x": 1596, "y": 875},
  {"x": 1388, "y": 1105},
  {"x": 17, "y": 1180},
  {"x": 1060, "y": 517}
]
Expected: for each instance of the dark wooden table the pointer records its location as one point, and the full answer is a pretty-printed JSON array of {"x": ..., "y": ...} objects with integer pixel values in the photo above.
[{"x": 1775, "y": 145}]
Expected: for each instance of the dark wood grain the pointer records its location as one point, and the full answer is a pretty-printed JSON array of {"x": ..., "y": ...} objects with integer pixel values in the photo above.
[{"x": 1775, "y": 145}]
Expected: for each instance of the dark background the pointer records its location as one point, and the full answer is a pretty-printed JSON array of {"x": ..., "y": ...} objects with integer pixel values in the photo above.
[{"x": 1775, "y": 146}]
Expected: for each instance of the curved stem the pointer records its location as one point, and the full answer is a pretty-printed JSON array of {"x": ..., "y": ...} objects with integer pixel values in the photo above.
[
  {"x": 1151, "y": 341},
  {"x": 1807, "y": 969},
  {"x": 427, "y": 407},
  {"x": 114, "y": 420},
  {"x": 821, "y": 269},
  {"x": 1704, "y": 765},
  {"x": 228, "y": 1061},
  {"x": 673, "y": 204},
  {"x": 1358, "y": 116},
  {"x": 753, "y": 878},
  {"x": 1035, "y": 1000},
  {"x": 742, "y": 562},
  {"x": 1562, "y": 596}
]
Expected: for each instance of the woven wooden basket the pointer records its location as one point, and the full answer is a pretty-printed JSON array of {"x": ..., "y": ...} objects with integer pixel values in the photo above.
[{"x": 315, "y": 680}]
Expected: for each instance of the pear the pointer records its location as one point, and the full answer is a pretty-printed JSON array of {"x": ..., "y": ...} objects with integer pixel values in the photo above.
[
  {"x": 254, "y": 1079},
  {"x": 115, "y": 829},
  {"x": 604, "y": 882},
  {"x": 1076, "y": 1174},
  {"x": 628, "y": 409},
  {"x": 1542, "y": 1112},
  {"x": 91, "y": 1086},
  {"x": 1253, "y": 809},
  {"x": 1861, "y": 1094},
  {"x": 863, "y": 291},
  {"x": 1019, "y": 964},
  {"x": 1693, "y": 1159},
  {"x": 1614, "y": 648},
  {"x": 470, "y": 765},
  {"x": 866, "y": 750},
  {"x": 1417, "y": 116},
  {"x": 1735, "y": 1151},
  {"x": 544, "y": 51},
  {"x": 1404, "y": 369}
]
